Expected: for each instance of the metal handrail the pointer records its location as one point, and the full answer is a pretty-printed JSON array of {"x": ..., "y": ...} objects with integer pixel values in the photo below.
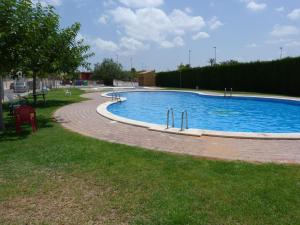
[
  {"x": 115, "y": 96},
  {"x": 168, "y": 117},
  {"x": 230, "y": 93},
  {"x": 184, "y": 113}
]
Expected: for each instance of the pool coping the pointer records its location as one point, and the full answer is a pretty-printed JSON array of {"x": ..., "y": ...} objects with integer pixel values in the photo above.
[{"x": 102, "y": 109}]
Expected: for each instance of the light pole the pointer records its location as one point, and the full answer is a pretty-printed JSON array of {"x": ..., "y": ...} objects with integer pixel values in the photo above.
[
  {"x": 281, "y": 51},
  {"x": 131, "y": 63},
  {"x": 190, "y": 57},
  {"x": 215, "y": 55}
]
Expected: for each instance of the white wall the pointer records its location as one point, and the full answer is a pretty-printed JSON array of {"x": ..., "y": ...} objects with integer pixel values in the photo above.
[{"x": 119, "y": 83}]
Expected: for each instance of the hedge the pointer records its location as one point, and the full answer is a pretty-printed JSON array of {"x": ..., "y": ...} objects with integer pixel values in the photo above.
[{"x": 274, "y": 77}]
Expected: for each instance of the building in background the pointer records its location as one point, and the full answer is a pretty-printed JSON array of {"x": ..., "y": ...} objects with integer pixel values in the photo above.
[
  {"x": 146, "y": 78},
  {"x": 85, "y": 75}
]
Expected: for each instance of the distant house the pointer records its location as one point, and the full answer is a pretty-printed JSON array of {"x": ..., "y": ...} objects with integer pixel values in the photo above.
[
  {"x": 146, "y": 78},
  {"x": 85, "y": 75}
]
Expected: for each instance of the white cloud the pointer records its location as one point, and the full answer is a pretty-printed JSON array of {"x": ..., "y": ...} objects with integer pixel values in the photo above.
[
  {"x": 180, "y": 20},
  {"x": 106, "y": 45},
  {"x": 103, "y": 19},
  {"x": 280, "y": 9},
  {"x": 256, "y": 6},
  {"x": 141, "y": 3},
  {"x": 176, "y": 42},
  {"x": 293, "y": 44},
  {"x": 252, "y": 45},
  {"x": 108, "y": 3},
  {"x": 294, "y": 15},
  {"x": 214, "y": 23},
  {"x": 154, "y": 25},
  {"x": 282, "y": 31},
  {"x": 129, "y": 46},
  {"x": 125, "y": 46},
  {"x": 188, "y": 10},
  {"x": 166, "y": 44},
  {"x": 200, "y": 35}
]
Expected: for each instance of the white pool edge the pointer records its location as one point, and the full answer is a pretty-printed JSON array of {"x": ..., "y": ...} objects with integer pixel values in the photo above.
[{"x": 103, "y": 110}]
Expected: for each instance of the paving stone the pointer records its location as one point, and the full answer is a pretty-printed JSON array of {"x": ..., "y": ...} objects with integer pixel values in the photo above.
[{"x": 83, "y": 118}]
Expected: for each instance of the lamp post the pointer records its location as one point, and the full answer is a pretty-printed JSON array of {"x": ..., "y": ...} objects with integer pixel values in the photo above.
[
  {"x": 190, "y": 57},
  {"x": 215, "y": 55},
  {"x": 281, "y": 51}
]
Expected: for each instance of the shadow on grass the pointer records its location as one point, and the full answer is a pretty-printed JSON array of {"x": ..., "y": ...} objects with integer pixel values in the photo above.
[{"x": 44, "y": 119}]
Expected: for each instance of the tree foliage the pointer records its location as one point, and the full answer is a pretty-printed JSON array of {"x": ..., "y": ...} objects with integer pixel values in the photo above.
[
  {"x": 212, "y": 61},
  {"x": 183, "y": 67},
  {"x": 107, "y": 71},
  {"x": 31, "y": 40},
  {"x": 230, "y": 62}
]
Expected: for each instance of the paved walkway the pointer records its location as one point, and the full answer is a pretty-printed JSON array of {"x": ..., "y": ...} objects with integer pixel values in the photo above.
[{"x": 83, "y": 118}]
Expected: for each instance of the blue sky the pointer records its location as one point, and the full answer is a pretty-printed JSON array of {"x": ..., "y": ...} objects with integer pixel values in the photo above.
[{"x": 157, "y": 34}]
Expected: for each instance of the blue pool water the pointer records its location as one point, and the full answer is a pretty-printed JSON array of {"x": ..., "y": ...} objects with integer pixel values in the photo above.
[{"x": 237, "y": 114}]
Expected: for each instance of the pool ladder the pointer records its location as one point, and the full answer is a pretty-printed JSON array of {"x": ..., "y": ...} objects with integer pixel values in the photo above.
[
  {"x": 184, "y": 116},
  {"x": 230, "y": 93},
  {"x": 184, "y": 119},
  {"x": 168, "y": 117},
  {"x": 116, "y": 96}
]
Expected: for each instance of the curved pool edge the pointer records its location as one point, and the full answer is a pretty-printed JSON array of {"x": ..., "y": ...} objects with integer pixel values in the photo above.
[{"x": 103, "y": 111}]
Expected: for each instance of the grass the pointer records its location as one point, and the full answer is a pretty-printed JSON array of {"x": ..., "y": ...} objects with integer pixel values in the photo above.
[{"x": 58, "y": 177}]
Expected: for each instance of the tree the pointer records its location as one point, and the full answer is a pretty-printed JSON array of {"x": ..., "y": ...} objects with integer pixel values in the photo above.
[
  {"x": 183, "y": 67},
  {"x": 71, "y": 53},
  {"x": 31, "y": 40},
  {"x": 51, "y": 49},
  {"x": 212, "y": 61},
  {"x": 230, "y": 62},
  {"x": 107, "y": 71},
  {"x": 11, "y": 39},
  {"x": 41, "y": 36},
  {"x": 133, "y": 74}
]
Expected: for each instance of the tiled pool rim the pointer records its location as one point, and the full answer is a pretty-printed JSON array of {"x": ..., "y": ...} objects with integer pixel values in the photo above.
[{"x": 103, "y": 110}]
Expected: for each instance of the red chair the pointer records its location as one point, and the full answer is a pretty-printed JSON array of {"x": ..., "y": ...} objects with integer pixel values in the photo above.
[{"x": 25, "y": 114}]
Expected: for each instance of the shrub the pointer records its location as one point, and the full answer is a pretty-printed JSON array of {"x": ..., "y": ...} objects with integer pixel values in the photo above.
[{"x": 274, "y": 77}]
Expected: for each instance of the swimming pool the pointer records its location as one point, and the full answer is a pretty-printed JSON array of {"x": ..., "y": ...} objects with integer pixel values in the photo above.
[{"x": 216, "y": 113}]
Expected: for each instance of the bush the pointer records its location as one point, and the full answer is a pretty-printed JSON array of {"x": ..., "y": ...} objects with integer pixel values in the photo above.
[{"x": 274, "y": 77}]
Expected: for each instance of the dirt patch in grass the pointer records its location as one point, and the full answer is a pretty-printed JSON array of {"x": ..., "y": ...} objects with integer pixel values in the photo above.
[{"x": 63, "y": 200}]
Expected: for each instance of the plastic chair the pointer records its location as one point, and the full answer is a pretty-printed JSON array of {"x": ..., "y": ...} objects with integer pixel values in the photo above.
[{"x": 68, "y": 92}]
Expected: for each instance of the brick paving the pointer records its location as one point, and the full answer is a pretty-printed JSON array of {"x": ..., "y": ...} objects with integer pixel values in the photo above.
[{"x": 83, "y": 118}]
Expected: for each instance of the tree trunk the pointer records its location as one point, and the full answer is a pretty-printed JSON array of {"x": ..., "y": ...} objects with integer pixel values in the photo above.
[
  {"x": 34, "y": 88},
  {"x": 1, "y": 106}
]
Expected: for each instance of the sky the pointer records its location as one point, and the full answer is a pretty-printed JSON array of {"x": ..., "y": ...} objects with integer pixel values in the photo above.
[{"x": 158, "y": 34}]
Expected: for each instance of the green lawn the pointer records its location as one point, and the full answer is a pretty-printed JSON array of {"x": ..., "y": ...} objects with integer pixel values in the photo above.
[{"x": 58, "y": 177}]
